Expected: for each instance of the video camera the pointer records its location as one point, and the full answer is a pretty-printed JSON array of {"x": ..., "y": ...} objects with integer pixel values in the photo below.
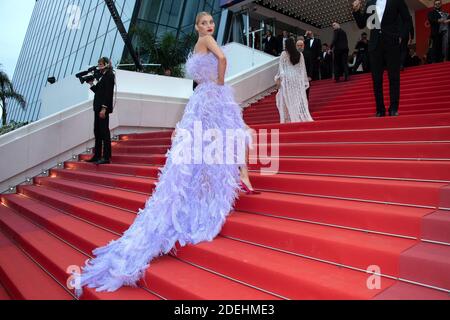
[{"x": 89, "y": 75}]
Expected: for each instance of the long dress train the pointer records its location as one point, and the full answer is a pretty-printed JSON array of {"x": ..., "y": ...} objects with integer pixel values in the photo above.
[
  {"x": 190, "y": 202},
  {"x": 291, "y": 99}
]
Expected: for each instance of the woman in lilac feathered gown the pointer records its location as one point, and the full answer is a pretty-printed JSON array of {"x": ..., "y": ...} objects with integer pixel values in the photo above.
[{"x": 192, "y": 199}]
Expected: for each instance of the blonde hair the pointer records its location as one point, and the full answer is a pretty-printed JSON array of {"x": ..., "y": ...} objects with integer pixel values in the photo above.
[{"x": 201, "y": 15}]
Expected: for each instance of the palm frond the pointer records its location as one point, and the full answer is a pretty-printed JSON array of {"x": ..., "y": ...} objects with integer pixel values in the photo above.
[{"x": 14, "y": 96}]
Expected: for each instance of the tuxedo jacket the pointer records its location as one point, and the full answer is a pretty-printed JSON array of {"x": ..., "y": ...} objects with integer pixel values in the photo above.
[
  {"x": 390, "y": 30},
  {"x": 340, "y": 41},
  {"x": 327, "y": 59},
  {"x": 316, "y": 49},
  {"x": 270, "y": 46},
  {"x": 104, "y": 92}
]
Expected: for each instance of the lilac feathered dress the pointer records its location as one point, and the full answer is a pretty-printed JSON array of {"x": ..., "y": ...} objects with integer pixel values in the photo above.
[{"x": 190, "y": 202}]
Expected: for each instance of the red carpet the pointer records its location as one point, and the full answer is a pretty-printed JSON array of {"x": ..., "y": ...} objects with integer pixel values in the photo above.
[{"x": 352, "y": 191}]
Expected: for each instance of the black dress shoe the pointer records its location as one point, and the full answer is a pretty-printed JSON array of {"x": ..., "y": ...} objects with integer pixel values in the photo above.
[
  {"x": 393, "y": 113},
  {"x": 103, "y": 161},
  {"x": 92, "y": 160},
  {"x": 380, "y": 115}
]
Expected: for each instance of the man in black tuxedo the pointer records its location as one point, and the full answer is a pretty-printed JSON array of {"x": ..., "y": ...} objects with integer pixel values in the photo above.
[
  {"x": 340, "y": 52},
  {"x": 103, "y": 107},
  {"x": 326, "y": 62},
  {"x": 308, "y": 61},
  {"x": 382, "y": 18},
  {"x": 407, "y": 35},
  {"x": 314, "y": 47},
  {"x": 439, "y": 24},
  {"x": 270, "y": 44}
]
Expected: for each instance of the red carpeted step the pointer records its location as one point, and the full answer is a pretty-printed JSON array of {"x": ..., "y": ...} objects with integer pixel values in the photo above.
[
  {"x": 113, "y": 197},
  {"x": 36, "y": 285},
  {"x": 399, "y": 150},
  {"x": 317, "y": 91},
  {"x": 127, "y": 169},
  {"x": 370, "y": 114},
  {"x": 353, "y": 100},
  {"x": 287, "y": 275},
  {"x": 184, "y": 285},
  {"x": 147, "y": 135},
  {"x": 384, "y": 218},
  {"x": 120, "y": 182},
  {"x": 436, "y": 226},
  {"x": 376, "y": 217},
  {"x": 362, "y": 114},
  {"x": 51, "y": 253},
  {"x": 4, "y": 294},
  {"x": 406, "y": 291},
  {"x": 424, "y": 193},
  {"x": 398, "y": 169},
  {"x": 154, "y": 141},
  {"x": 356, "y": 124},
  {"x": 180, "y": 281},
  {"x": 133, "y": 159},
  {"x": 108, "y": 217},
  {"x": 331, "y": 244},
  {"x": 140, "y": 149},
  {"x": 346, "y": 109},
  {"x": 427, "y": 263},
  {"x": 64, "y": 226},
  {"x": 389, "y": 191},
  {"x": 368, "y": 135}
]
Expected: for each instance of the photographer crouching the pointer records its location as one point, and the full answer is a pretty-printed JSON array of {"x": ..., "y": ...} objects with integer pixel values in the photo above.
[{"x": 103, "y": 107}]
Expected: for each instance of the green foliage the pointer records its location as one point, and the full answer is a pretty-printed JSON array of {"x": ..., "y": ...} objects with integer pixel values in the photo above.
[
  {"x": 7, "y": 92},
  {"x": 168, "y": 51},
  {"x": 11, "y": 127}
]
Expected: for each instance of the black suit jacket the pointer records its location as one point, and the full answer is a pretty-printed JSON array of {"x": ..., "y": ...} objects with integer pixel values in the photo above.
[
  {"x": 406, "y": 28},
  {"x": 316, "y": 48},
  {"x": 271, "y": 46},
  {"x": 104, "y": 92},
  {"x": 433, "y": 17},
  {"x": 390, "y": 30},
  {"x": 340, "y": 41},
  {"x": 328, "y": 59},
  {"x": 308, "y": 63}
]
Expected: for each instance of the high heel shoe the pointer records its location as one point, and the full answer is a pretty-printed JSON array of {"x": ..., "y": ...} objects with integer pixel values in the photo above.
[{"x": 247, "y": 189}]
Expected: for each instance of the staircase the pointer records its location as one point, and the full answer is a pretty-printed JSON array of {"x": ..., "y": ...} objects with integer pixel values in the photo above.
[{"x": 353, "y": 191}]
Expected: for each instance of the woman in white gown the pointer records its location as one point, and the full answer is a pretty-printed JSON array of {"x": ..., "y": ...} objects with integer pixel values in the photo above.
[{"x": 292, "y": 83}]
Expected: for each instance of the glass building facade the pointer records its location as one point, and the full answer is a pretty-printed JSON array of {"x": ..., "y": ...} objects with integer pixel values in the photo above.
[{"x": 66, "y": 36}]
